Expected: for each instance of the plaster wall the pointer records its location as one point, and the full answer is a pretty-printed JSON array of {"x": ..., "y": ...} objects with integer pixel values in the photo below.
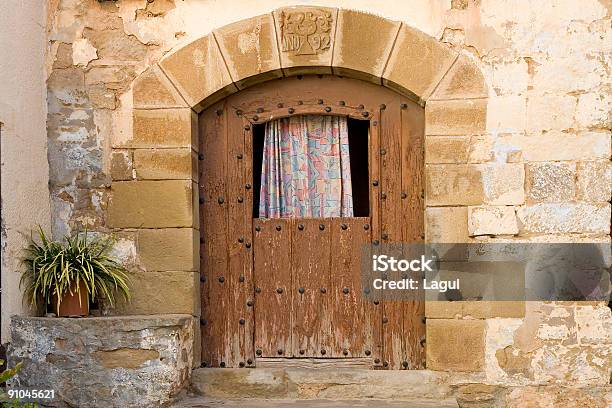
[{"x": 23, "y": 114}]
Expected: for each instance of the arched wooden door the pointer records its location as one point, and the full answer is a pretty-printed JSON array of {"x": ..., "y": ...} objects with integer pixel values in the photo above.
[{"x": 290, "y": 288}]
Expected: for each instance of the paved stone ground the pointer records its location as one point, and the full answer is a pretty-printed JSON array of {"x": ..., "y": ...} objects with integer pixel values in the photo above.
[{"x": 201, "y": 402}]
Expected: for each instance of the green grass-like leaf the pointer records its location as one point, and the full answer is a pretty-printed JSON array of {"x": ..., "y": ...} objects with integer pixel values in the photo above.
[{"x": 57, "y": 268}]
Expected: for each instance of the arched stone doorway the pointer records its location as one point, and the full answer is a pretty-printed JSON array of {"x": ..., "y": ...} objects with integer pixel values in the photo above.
[
  {"x": 291, "y": 287},
  {"x": 163, "y": 207}
]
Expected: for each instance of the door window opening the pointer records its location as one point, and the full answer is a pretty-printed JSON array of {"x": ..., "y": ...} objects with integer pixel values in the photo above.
[{"x": 311, "y": 161}]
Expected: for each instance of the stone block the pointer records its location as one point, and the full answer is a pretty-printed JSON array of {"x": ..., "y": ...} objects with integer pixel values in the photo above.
[
  {"x": 163, "y": 292},
  {"x": 106, "y": 361},
  {"x": 550, "y": 112},
  {"x": 306, "y": 53},
  {"x": 102, "y": 97},
  {"x": 161, "y": 128},
  {"x": 558, "y": 396},
  {"x": 482, "y": 149},
  {"x": 121, "y": 166},
  {"x": 294, "y": 382},
  {"x": 463, "y": 80},
  {"x": 153, "y": 90},
  {"x": 169, "y": 249},
  {"x": 550, "y": 218},
  {"x": 160, "y": 164},
  {"x": 363, "y": 45},
  {"x": 240, "y": 383},
  {"x": 474, "y": 309},
  {"x": 453, "y": 184},
  {"x": 559, "y": 146},
  {"x": 553, "y": 182},
  {"x": 457, "y": 117},
  {"x": 593, "y": 109},
  {"x": 492, "y": 220},
  {"x": 199, "y": 73},
  {"x": 408, "y": 70},
  {"x": 447, "y": 149},
  {"x": 446, "y": 225},
  {"x": 455, "y": 345},
  {"x": 594, "y": 181},
  {"x": 503, "y": 184},
  {"x": 250, "y": 50},
  {"x": 506, "y": 113},
  {"x": 125, "y": 357},
  {"x": 152, "y": 204}
]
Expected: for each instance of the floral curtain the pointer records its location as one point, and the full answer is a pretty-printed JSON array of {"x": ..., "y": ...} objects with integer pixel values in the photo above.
[{"x": 306, "y": 170}]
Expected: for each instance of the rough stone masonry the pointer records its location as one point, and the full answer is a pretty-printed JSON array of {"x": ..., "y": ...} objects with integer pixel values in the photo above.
[
  {"x": 535, "y": 169},
  {"x": 137, "y": 361}
]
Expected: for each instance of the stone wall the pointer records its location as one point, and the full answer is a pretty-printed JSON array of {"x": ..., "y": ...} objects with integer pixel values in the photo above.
[
  {"x": 529, "y": 163},
  {"x": 138, "y": 361}
]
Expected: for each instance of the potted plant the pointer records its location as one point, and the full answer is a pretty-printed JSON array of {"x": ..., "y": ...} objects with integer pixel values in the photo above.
[{"x": 68, "y": 275}]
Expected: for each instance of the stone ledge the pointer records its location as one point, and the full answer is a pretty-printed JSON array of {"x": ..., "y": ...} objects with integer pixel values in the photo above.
[
  {"x": 325, "y": 383},
  {"x": 136, "y": 361}
]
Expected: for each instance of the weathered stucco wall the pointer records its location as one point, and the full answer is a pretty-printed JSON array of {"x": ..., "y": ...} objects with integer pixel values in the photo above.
[
  {"x": 23, "y": 114},
  {"x": 539, "y": 172}
]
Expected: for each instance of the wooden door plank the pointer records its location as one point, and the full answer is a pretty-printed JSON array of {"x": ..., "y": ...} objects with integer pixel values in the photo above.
[
  {"x": 310, "y": 271},
  {"x": 351, "y": 315},
  {"x": 246, "y": 195},
  {"x": 375, "y": 232},
  {"x": 238, "y": 254},
  {"x": 272, "y": 276},
  {"x": 217, "y": 303},
  {"x": 391, "y": 229},
  {"x": 412, "y": 154}
]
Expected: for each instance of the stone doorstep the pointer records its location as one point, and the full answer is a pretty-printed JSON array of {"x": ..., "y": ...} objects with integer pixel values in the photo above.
[
  {"x": 202, "y": 402},
  {"x": 320, "y": 384}
]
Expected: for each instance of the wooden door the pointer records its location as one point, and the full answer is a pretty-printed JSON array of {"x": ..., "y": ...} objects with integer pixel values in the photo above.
[{"x": 291, "y": 288}]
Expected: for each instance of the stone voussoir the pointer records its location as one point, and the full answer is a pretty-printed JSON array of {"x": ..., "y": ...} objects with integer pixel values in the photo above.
[
  {"x": 463, "y": 80},
  {"x": 363, "y": 45},
  {"x": 152, "y": 90},
  {"x": 250, "y": 50},
  {"x": 199, "y": 72},
  {"x": 300, "y": 55},
  {"x": 408, "y": 72}
]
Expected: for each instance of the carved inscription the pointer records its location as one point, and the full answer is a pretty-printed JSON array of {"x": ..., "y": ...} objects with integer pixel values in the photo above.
[{"x": 306, "y": 32}]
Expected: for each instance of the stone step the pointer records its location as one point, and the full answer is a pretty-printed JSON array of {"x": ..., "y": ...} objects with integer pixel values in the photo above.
[
  {"x": 320, "y": 384},
  {"x": 202, "y": 402}
]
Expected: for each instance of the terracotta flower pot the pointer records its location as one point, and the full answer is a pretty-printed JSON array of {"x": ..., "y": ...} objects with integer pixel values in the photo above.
[{"x": 70, "y": 305}]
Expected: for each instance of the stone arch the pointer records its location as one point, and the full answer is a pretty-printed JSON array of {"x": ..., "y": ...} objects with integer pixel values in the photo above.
[{"x": 160, "y": 203}]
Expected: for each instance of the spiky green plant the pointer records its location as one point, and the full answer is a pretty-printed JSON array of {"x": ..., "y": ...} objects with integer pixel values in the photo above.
[{"x": 57, "y": 268}]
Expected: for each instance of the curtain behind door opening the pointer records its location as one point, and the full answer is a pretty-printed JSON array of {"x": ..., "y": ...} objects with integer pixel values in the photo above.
[{"x": 306, "y": 169}]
